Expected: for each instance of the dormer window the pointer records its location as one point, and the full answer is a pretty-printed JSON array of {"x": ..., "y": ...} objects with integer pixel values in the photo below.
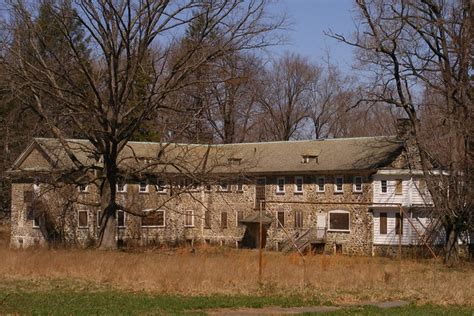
[
  {"x": 309, "y": 158},
  {"x": 234, "y": 161}
]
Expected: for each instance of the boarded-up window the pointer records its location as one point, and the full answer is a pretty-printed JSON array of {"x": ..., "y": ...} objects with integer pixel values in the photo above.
[
  {"x": 189, "y": 218},
  {"x": 383, "y": 223},
  {"x": 398, "y": 187},
  {"x": 240, "y": 217},
  {"x": 155, "y": 219},
  {"x": 298, "y": 219},
  {"x": 281, "y": 219},
  {"x": 339, "y": 221},
  {"x": 398, "y": 224},
  {"x": 223, "y": 220},
  {"x": 82, "y": 219},
  {"x": 422, "y": 186},
  {"x": 28, "y": 196},
  {"x": 120, "y": 218},
  {"x": 207, "y": 219}
]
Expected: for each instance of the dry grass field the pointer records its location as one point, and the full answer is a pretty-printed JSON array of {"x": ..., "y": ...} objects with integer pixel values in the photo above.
[{"x": 209, "y": 271}]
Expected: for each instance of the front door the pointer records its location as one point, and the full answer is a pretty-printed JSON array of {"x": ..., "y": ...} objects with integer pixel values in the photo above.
[{"x": 321, "y": 223}]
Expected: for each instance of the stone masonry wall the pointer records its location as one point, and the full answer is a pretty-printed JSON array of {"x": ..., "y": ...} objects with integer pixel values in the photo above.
[{"x": 358, "y": 240}]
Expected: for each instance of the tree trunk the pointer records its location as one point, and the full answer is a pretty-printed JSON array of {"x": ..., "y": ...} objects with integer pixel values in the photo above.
[
  {"x": 451, "y": 247},
  {"x": 108, "y": 227}
]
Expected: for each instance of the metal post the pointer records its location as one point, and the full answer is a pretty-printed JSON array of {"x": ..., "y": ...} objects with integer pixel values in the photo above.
[
  {"x": 400, "y": 231},
  {"x": 260, "y": 249}
]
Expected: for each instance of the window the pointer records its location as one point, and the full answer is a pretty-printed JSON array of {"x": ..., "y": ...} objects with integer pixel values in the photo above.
[
  {"x": 120, "y": 218},
  {"x": 83, "y": 188},
  {"x": 121, "y": 186},
  {"x": 143, "y": 186},
  {"x": 208, "y": 187},
  {"x": 28, "y": 196},
  {"x": 240, "y": 186},
  {"x": 398, "y": 187},
  {"x": 207, "y": 219},
  {"x": 281, "y": 185},
  {"x": 422, "y": 186},
  {"x": 36, "y": 222},
  {"x": 320, "y": 184},
  {"x": 309, "y": 158},
  {"x": 298, "y": 219},
  {"x": 160, "y": 186},
  {"x": 223, "y": 220},
  {"x": 298, "y": 184},
  {"x": 189, "y": 218},
  {"x": 99, "y": 214},
  {"x": 383, "y": 186},
  {"x": 338, "y": 184},
  {"x": 82, "y": 219},
  {"x": 383, "y": 224},
  {"x": 357, "y": 187},
  {"x": 240, "y": 217},
  {"x": 154, "y": 219},
  {"x": 398, "y": 224},
  {"x": 339, "y": 221},
  {"x": 224, "y": 186},
  {"x": 280, "y": 219}
]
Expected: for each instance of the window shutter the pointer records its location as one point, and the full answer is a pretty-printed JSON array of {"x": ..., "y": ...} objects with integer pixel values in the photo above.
[{"x": 383, "y": 223}]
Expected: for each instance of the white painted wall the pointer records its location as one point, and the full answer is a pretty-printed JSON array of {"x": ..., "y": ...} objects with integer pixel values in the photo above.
[{"x": 410, "y": 190}]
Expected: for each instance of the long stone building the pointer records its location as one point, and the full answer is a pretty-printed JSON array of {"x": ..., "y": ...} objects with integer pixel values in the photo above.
[{"x": 348, "y": 195}]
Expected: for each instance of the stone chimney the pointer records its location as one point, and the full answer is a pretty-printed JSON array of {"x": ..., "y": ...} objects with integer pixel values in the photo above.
[{"x": 403, "y": 128}]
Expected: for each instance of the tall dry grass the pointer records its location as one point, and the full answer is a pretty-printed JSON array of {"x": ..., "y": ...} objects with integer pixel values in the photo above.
[{"x": 337, "y": 279}]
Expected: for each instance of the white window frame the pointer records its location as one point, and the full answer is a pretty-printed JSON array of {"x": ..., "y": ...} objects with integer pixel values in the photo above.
[
  {"x": 239, "y": 186},
  {"x": 154, "y": 226},
  {"x": 140, "y": 186},
  {"x": 124, "y": 219},
  {"x": 86, "y": 188},
  {"x": 354, "y": 185},
  {"x": 336, "y": 190},
  {"x": 124, "y": 188},
  {"x": 317, "y": 184},
  {"x": 339, "y": 212},
  {"x": 160, "y": 188},
  {"x": 278, "y": 190},
  {"x": 78, "y": 221},
  {"x": 296, "y": 184},
  {"x": 192, "y": 218},
  {"x": 34, "y": 224}
]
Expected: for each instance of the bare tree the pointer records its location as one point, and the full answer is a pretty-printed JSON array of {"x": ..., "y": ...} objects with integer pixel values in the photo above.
[
  {"x": 132, "y": 69},
  {"x": 286, "y": 96},
  {"x": 415, "y": 45}
]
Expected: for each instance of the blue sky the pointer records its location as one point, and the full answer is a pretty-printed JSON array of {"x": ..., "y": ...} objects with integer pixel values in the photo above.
[{"x": 309, "y": 19}]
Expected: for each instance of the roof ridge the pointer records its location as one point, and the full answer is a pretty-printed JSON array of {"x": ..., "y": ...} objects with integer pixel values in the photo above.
[{"x": 236, "y": 144}]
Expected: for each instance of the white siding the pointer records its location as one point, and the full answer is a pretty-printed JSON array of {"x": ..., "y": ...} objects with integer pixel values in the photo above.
[
  {"x": 410, "y": 193},
  {"x": 410, "y": 235}
]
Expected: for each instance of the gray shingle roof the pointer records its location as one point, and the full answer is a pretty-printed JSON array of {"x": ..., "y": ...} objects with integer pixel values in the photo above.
[{"x": 326, "y": 155}]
